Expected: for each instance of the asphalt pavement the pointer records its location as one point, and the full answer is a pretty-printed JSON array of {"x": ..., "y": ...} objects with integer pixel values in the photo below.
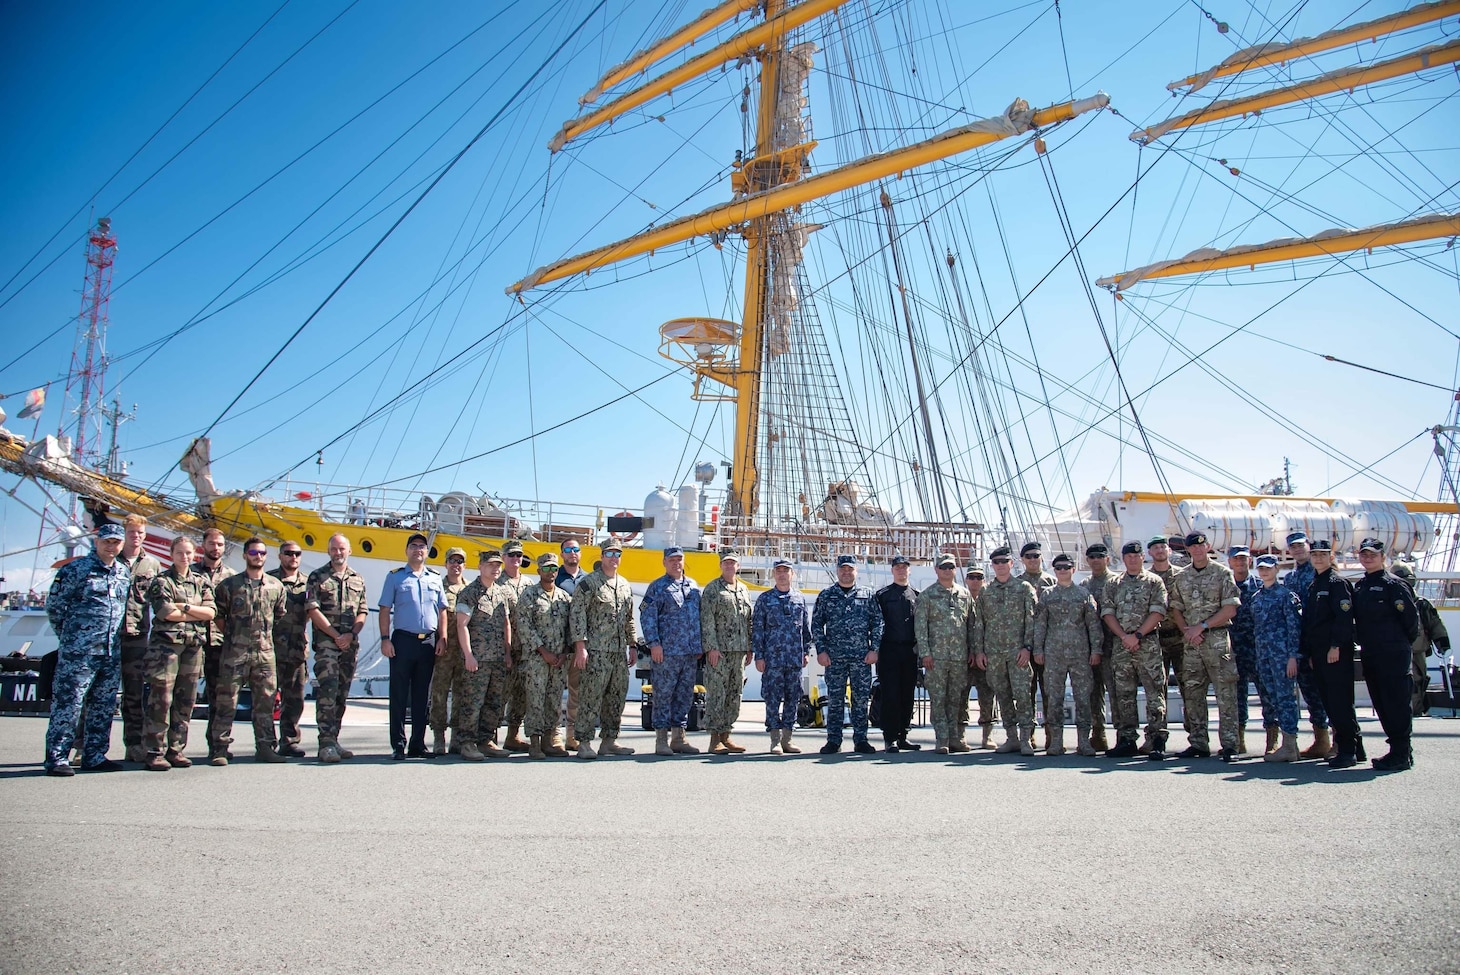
[{"x": 905, "y": 863}]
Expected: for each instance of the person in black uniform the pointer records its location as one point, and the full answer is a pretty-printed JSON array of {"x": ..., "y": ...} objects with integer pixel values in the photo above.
[
  {"x": 1328, "y": 643},
  {"x": 897, "y": 658},
  {"x": 1386, "y": 623}
]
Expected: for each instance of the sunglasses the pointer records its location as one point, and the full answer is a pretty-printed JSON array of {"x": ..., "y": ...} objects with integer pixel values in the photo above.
[
  {"x": 999, "y": 561},
  {"x": 572, "y": 548},
  {"x": 291, "y": 554},
  {"x": 456, "y": 560},
  {"x": 611, "y": 554},
  {"x": 257, "y": 551}
]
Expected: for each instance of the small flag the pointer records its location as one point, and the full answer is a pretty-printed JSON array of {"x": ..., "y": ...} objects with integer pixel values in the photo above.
[{"x": 35, "y": 401}]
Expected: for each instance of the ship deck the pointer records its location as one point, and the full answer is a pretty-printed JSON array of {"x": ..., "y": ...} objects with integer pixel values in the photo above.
[{"x": 886, "y": 863}]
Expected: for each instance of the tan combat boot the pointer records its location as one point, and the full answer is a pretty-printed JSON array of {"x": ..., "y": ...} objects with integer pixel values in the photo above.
[
  {"x": 941, "y": 748},
  {"x": 1241, "y": 741},
  {"x": 1145, "y": 748},
  {"x": 1286, "y": 752},
  {"x": 728, "y": 743},
  {"x": 1098, "y": 742},
  {"x": 1272, "y": 741},
  {"x": 1026, "y": 742},
  {"x": 1054, "y": 740},
  {"x": 1085, "y": 747},
  {"x": 986, "y": 739},
  {"x": 679, "y": 745},
  {"x": 610, "y": 746},
  {"x": 776, "y": 742},
  {"x": 958, "y": 744},
  {"x": 268, "y": 754},
  {"x": 438, "y": 742},
  {"x": 534, "y": 749},
  {"x": 571, "y": 744},
  {"x": 661, "y": 742},
  {"x": 585, "y": 749},
  {"x": 553, "y": 747},
  {"x": 1321, "y": 744},
  {"x": 470, "y": 752},
  {"x": 490, "y": 750},
  {"x": 514, "y": 742},
  {"x": 717, "y": 743},
  {"x": 1011, "y": 743},
  {"x": 345, "y": 753},
  {"x": 786, "y": 745}
]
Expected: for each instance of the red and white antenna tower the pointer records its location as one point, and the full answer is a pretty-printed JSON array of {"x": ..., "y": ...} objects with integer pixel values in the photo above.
[{"x": 86, "y": 382}]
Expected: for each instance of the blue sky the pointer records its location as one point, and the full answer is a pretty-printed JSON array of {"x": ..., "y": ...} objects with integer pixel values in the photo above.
[{"x": 426, "y": 316}]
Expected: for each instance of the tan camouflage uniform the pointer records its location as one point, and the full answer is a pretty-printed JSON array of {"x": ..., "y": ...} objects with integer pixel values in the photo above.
[
  {"x": 943, "y": 622},
  {"x": 603, "y": 617},
  {"x": 1102, "y": 676},
  {"x": 488, "y": 610},
  {"x": 1129, "y": 600},
  {"x": 174, "y": 660},
  {"x": 1066, "y": 631},
  {"x": 248, "y": 611},
  {"x": 516, "y": 687},
  {"x": 1169, "y": 634},
  {"x": 1199, "y": 594},
  {"x": 1005, "y": 625},
  {"x": 341, "y": 599},
  {"x": 725, "y": 611},
  {"x": 448, "y": 679},
  {"x": 541, "y": 625},
  {"x": 291, "y": 674}
]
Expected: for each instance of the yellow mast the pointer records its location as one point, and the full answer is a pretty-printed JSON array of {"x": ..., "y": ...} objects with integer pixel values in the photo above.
[
  {"x": 664, "y": 47},
  {"x": 1266, "y": 55},
  {"x": 1346, "y": 79},
  {"x": 1290, "y": 249}
]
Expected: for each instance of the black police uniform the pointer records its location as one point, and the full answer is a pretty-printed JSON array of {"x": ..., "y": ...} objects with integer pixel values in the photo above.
[
  {"x": 897, "y": 661},
  {"x": 1386, "y": 623},
  {"x": 1328, "y": 622}
]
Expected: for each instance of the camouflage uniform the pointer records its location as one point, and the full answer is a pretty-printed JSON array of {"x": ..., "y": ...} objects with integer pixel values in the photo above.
[
  {"x": 1129, "y": 600},
  {"x": 1300, "y": 579},
  {"x": 943, "y": 621},
  {"x": 448, "y": 680},
  {"x": 291, "y": 674},
  {"x": 725, "y": 615},
  {"x": 1005, "y": 626},
  {"x": 780, "y": 634},
  {"x": 1277, "y": 617},
  {"x": 603, "y": 618},
  {"x": 248, "y": 611},
  {"x": 1244, "y": 650},
  {"x": 1173, "y": 645},
  {"x": 174, "y": 659},
  {"x": 670, "y": 617},
  {"x": 1041, "y": 581},
  {"x": 1432, "y": 633},
  {"x": 541, "y": 624},
  {"x": 1102, "y": 675},
  {"x": 1067, "y": 632},
  {"x": 846, "y": 625},
  {"x": 213, "y": 647},
  {"x": 341, "y": 599},
  {"x": 87, "y": 607},
  {"x": 515, "y": 687},
  {"x": 144, "y": 568},
  {"x": 1200, "y": 593},
  {"x": 488, "y": 608}
]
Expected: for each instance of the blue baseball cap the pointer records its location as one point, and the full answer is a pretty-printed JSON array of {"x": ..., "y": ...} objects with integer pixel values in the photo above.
[
  {"x": 111, "y": 530},
  {"x": 1238, "y": 550},
  {"x": 1267, "y": 561}
]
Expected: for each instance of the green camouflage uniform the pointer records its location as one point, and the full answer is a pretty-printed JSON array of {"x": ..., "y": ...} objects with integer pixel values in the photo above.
[
  {"x": 1067, "y": 631},
  {"x": 725, "y": 611},
  {"x": 943, "y": 624},
  {"x": 487, "y": 610},
  {"x": 1005, "y": 625},
  {"x": 1199, "y": 594},
  {"x": 291, "y": 674},
  {"x": 603, "y": 617},
  {"x": 1129, "y": 600},
  {"x": 448, "y": 680},
  {"x": 174, "y": 660},
  {"x": 135, "y": 628},
  {"x": 1102, "y": 676},
  {"x": 1169, "y": 634},
  {"x": 248, "y": 611},
  {"x": 516, "y": 686},
  {"x": 213, "y": 646},
  {"x": 541, "y": 625},
  {"x": 341, "y": 599}
]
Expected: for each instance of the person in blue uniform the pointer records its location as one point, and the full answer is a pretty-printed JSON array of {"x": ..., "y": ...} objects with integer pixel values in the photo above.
[
  {"x": 412, "y": 633},
  {"x": 780, "y": 638},
  {"x": 1328, "y": 644},
  {"x": 86, "y": 607},
  {"x": 846, "y": 626},
  {"x": 1386, "y": 624},
  {"x": 669, "y": 622},
  {"x": 1277, "y": 635}
]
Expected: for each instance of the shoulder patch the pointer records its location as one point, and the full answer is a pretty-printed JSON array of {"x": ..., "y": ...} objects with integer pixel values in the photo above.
[
  {"x": 1344, "y": 605},
  {"x": 1399, "y": 605}
]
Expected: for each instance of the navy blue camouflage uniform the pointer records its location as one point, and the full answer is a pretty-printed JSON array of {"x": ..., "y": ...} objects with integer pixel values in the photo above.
[
  {"x": 780, "y": 635},
  {"x": 1299, "y": 579},
  {"x": 86, "y": 607},
  {"x": 1277, "y": 615},
  {"x": 846, "y": 625},
  {"x": 669, "y": 617},
  {"x": 1244, "y": 651}
]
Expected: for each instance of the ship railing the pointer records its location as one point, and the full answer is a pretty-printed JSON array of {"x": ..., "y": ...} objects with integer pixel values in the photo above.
[{"x": 920, "y": 541}]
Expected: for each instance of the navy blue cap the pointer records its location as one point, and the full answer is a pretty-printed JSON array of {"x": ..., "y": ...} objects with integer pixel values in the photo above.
[
  {"x": 1297, "y": 538},
  {"x": 1132, "y": 548},
  {"x": 1267, "y": 561},
  {"x": 1371, "y": 545},
  {"x": 672, "y": 551},
  {"x": 846, "y": 560},
  {"x": 1237, "y": 550},
  {"x": 111, "y": 530},
  {"x": 1196, "y": 538},
  {"x": 780, "y": 562},
  {"x": 1322, "y": 545},
  {"x": 900, "y": 560}
]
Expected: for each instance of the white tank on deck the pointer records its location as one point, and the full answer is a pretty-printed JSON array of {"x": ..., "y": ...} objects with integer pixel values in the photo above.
[
  {"x": 687, "y": 532},
  {"x": 1316, "y": 519},
  {"x": 659, "y": 508},
  {"x": 1227, "y": 522},
  {"x": 1400, "y": 529}
]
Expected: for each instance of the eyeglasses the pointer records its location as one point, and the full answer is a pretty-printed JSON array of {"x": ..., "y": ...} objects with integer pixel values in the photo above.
[
  {"x": 999, "y": 561},
  {"x": 572, "y": 548},
  {"x": 260, "y": 552},
  {"x": 456, "y": 560}
]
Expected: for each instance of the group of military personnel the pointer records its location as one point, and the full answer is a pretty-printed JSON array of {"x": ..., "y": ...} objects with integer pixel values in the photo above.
[{"x": 464, "y": 656}]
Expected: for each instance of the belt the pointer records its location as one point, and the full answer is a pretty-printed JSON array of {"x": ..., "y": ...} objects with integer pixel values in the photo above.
[{"x": 418, "y": 636}]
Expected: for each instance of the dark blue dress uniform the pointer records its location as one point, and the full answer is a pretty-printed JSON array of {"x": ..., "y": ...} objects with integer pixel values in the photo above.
[
  {"x": 1386, "y": 623},
  {"x": 897, "y": 661},
  {"x": 1328, "y": 622}
]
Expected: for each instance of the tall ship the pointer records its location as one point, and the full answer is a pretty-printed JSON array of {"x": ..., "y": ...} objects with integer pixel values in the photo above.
[{"x": 891, "y": 326}]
